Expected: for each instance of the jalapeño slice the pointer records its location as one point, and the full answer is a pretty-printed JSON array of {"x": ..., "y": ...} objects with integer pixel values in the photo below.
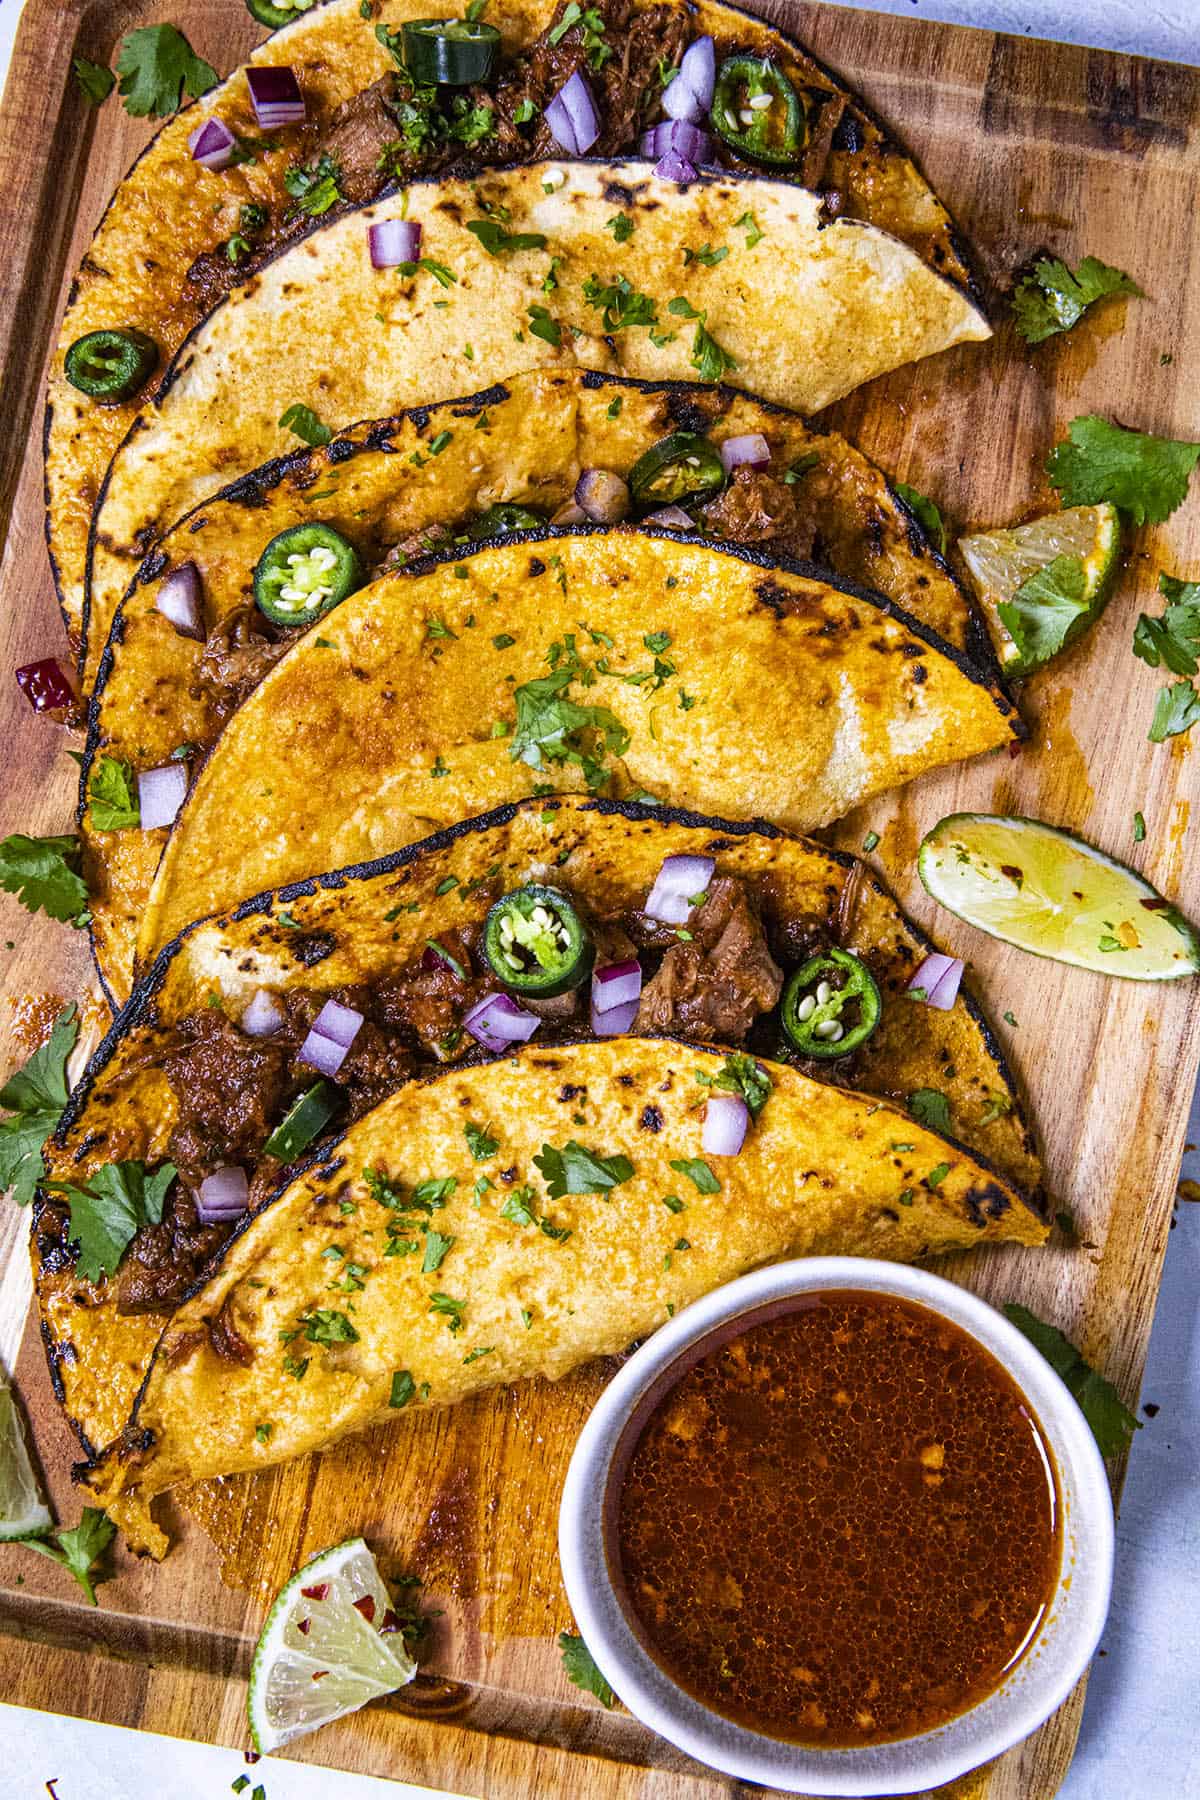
[
  {"x": 535, "y": 943},
  {"x": 303, "y": 573},
  {"x": 111, "y": 365},
  {"x": 305, "y": 1120},
  {"x": 505, "y": 517},
  {"x": 275, "y": 16},
  {"x": 758, "y": 112},
  {"x": 831, "y": 1005},
  {"x": 684, "y": 466},
  {"x": 450, "y": 52}
]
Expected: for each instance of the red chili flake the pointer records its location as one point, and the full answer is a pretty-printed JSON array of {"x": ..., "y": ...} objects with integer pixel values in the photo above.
[
  {"x": 252, "y": 1756},
  {"x": 320, "y": 1592},
  {"x": 391, "y": 1621},
  {"x": 366, "y": 1606},
  {"x": 47, "y": 687},
  {"x": 304, "y": 1626},
  {"x": 320, "y": 1674}
]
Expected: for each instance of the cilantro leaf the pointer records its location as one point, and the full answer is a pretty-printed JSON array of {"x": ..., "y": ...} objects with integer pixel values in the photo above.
[
  {"x": 619, "y": 303},
  {"x": 929, "y": 1106},
  {"x": 541, "y": 325},
  {"x": 1050, "y": 299},
  {"x": 548, "y": 727},
  {"x": 479, "y": 1141},
  {"x": 34, "y": 1097},
  {"x": 709, "y": 360},
  {"x": 621, "y": 226},
  {"x": 326, "y": 1327},
  {"x": 741, "y": 1074},
  {"x": 112, "y": 799},
  {"x": 79, "y": 1549},
  {"x": 306, "y": 425},
  {"x": 106, "y": 1214},
  {"x": 315, "y": 187},
  {"x": 576, "y": 1170},
  {"x": 43, "y": 874},
  {"x": 698, "y": 1173},
  {"x": 403, "y": 1388},
  {"x": 1147, "y": 477},
  {"x": 154, "y": 65},
  {"x": 580, "y": 1668},
  {"x": 437, "y": 1248},
  {"x": 927, "y": 514},
  {"x": 1048, "y": 610},
  {"x": 1113, "y": 1425},
  {"x": 496, "y": 241},
  {"x": 1176, "y": 709},
  {"x": 1173, "y": 641},
  {"x": 96, "y": 81}
]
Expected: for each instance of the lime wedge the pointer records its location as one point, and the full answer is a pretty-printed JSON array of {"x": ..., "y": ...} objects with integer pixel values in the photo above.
[
  {"x": 329, "y": 1645},
  {"x": 23, "y": 1512},
  {"x": 1001, "y": 563},
  {"x": 1046, "y": 891}
]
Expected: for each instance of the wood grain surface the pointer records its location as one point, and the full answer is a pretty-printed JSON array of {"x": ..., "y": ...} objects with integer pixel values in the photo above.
[{"x": 1032, "y": 145}]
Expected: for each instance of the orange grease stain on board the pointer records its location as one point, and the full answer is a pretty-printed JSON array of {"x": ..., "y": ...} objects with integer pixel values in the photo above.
[{"x": 1064, "y": 791}]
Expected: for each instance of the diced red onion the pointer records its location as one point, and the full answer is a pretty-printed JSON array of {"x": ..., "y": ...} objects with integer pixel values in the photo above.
[
  {"x": 749, "y": 452},
  {"x": 616, "y": 1021},
  {"x": 433, "y": 958},
  {"x": 569, "y": 514},
  {"x": 678, "y": 169},
  {"x": 726, "y": 1118},
  {"x": 677, "y": 883},
  {"x": 322, "y": 1053},
  {"x": 263, "y": 1016},
  {"x": 673, "y": 517},
  {"x": 602, "y": 496},
  {"x": 497, "y": 1021},
  {"x": 572, "y": 117},
  {"x": 179, "y": 599},
  {"x": 393, "y": 241},
  {"x": 939, "y": 976},
  {"x": 212, "y": 145},
  {"x": 161, "y": 793},
  {"x": 223, "y": 1196},
  {"x": 46, "y": 685},
  {"x": 698, "y": 70},
  {"x": 681, "y": 102},
  {"x": 679, "y": 137},
  {"x": 616, "y": 985},
  {"x": 341, "y": 1023},
  {"x": 275, "y": 96}
]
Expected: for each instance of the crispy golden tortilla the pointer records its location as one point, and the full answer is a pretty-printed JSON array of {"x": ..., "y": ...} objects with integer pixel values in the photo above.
[
  {"x": 822, "y": 1172},
  {"x": 525, "y": 442},
  {"x": 425, "y": 698},
  {"x": 187, "y": 211},
  {"x": 370, "y": 922},
  {"x": 809, "y": 312}
]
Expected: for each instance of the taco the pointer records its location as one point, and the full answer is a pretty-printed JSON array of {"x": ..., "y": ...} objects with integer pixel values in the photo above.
[
  {"x": 365, "y": 129},
  {"x": 590, "y": 658},
  {"x": 801, "y": 307},
  {"x": 201, "y": 1071},
  {"x": 190, "y": 642}
]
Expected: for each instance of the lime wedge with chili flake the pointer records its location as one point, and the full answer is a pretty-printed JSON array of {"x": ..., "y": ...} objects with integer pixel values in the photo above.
[
  {"x": 332, "y": 1641},
  {"x": 1046, "y": 891},
  {"x": 1034, "y": 603},
  {"x": 23, "y": 1512}
]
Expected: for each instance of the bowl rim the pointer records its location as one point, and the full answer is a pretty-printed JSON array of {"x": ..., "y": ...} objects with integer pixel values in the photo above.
[{"x": 993, "y": 1725}]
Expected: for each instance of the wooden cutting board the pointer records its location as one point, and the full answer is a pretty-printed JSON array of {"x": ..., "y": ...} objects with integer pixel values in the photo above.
[{"x": 1032, "y": 145}]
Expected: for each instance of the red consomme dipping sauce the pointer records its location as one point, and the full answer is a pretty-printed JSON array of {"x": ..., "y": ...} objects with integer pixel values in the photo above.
[{"x": 840, "y": 1525}]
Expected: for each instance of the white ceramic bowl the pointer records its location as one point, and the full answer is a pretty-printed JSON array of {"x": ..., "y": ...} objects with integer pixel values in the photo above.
[{"x": 1039, "y": 1682}]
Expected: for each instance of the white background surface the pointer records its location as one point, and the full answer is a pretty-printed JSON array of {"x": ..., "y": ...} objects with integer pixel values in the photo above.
[{"x": 1139, "y": 1738}]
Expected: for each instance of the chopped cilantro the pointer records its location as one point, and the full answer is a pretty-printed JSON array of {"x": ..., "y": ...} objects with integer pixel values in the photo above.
[
  {"x": 657, "y": 641},
  {"x": 443, "y": 1307},
  {"x": 106, "y": 1213},
  {"x": 580, "y": 1668},
  {"x": 750, "y": 225},
  {"x": 437, "y": 628},
  {"x": 479, "y": 1142},
  {"x": 927, "y": 514},
  {"x": 325, "y": 1327},
  {"x": 441, "y": 274},
  {"x": 1147, "y": 477},
  {"x": 1139, "y": 837},
  {"x": 1113, "y": 1425},
  {"x": 517, "y": 1208},
  {"x": 929, "y": 1106},
  {"x": 314, "y": 187},
  {"x": 541, "y": 325},
  {"x": 673, "y": 1203},
  {"x": 706, "y": 255},
  {"x": 740, "y": 1074},
  {"x": 614, "y": 407},
  {"x": 496, "y": 241},
  {"x": 698, "y": 1173},
  {"x": 621, "y": 226},
  {"x": 576, "y": 1170},
  {"x": 549, "y": 728},
  {"x": 112, "y": 798},
  {"x": 263, "y": 1432},
  {"x": 525, "y": 111},
  {"x": 619, "y": 303},
  {"x": 95, "y": 81},
  {"x": 474, "y": 1355},
  {"x": 709, "y": 360},
  {"x": 1050, "y": 299},
  {"x": 1176, "y": 710},
  {"x": 306, "y": 425},
  {"x": 870, "y": 842},
  {"x": 1173, "y": 640},
  {"x": 935, "y": 1177},
  {"x": 1048, "y": 610},
  {"x": 157, "y": 66},
  {"x": 437, "y": 1248},
  {"x": 34, "y": 1097},
  {"x": 591, "y": 32},
  {"x": 79, "y": 1549},
  {"x": 434, "y": 1191},
  {"x": 1009, "y": 1019},
  {"x": 403, "y": 1388}
]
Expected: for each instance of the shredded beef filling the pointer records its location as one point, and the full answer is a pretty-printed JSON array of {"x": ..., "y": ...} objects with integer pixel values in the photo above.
[
  {"x": 714, "y": 987},
  {"x": 164, "y": 1261},
  {"x": 242, "y": 647},
  {"x": 756, "y": 509}
]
